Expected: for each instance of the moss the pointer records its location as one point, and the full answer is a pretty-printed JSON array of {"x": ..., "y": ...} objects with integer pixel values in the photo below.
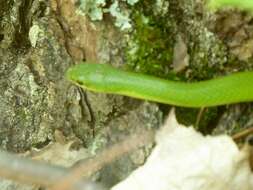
[{"x": 150, "y": 47}]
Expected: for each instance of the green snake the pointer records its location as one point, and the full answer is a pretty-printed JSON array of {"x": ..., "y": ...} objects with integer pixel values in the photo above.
[
  {"x": 246, "y": 5},
  {"x": 104, "y": 78}
]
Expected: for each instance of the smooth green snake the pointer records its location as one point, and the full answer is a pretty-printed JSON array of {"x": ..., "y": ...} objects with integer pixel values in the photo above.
[{"x": 104, "y": 78}]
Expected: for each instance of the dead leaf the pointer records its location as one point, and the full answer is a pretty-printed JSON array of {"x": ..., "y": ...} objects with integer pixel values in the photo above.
[{"x": 184, "y": 159}]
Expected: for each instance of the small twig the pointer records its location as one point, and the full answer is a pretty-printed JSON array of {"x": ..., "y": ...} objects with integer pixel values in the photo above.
[
  {"x": 201, "y": 111},
  {"x": 87, "y": 167},
  {"x": 27, "y": 171},
  {"x": 243, "y": 133}
]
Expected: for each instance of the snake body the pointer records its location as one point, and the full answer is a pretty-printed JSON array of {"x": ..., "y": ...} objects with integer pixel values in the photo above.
[{"x": 104, "y": 78}]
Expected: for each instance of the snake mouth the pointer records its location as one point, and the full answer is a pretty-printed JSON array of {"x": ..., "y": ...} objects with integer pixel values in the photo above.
[
  {"x": 69, "y": 74},
  {"x": 78, "y": 82}
]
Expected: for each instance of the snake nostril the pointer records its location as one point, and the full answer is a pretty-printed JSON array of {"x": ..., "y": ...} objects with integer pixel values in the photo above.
[{"x": 1, "y": 37}]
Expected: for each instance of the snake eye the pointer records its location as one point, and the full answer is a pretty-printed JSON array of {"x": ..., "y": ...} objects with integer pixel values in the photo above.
[{"x": 250, "y": 140}]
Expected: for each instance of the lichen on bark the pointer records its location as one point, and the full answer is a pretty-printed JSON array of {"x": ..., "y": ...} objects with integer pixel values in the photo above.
[{"x": 30, "y": 77}]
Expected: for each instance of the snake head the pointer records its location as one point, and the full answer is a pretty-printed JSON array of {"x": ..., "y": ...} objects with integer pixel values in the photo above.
[{"x": 88, "y": 75}]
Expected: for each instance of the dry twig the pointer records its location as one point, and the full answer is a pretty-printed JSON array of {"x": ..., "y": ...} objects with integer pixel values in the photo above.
[
  {"x": 87, "y": 167},
  {"x": 27, "y": 171},
  {"x": 243, "y": 133}
]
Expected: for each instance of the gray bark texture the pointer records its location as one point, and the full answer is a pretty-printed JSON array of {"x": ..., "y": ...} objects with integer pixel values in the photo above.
[{"x": 33, "y": 90}]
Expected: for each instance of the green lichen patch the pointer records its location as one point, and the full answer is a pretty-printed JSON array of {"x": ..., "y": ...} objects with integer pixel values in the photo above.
[{"x": 119, "y": 10}]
